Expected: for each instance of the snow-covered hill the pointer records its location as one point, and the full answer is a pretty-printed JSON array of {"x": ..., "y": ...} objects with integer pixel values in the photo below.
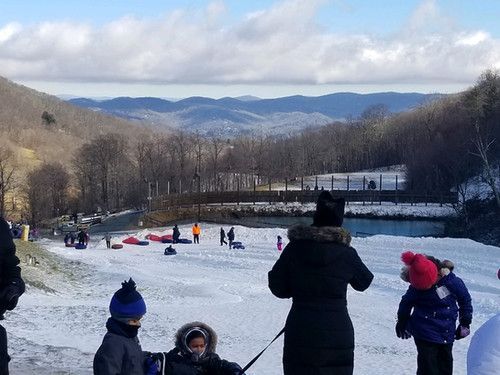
[{"x": 56, "y": 329}]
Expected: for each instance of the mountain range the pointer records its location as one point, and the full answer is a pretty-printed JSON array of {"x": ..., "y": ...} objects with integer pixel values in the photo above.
[{"x": 249, "y": 115}]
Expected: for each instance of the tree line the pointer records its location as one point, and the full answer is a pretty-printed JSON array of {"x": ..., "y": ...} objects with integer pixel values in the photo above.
[{"x": 442, "y": 143}]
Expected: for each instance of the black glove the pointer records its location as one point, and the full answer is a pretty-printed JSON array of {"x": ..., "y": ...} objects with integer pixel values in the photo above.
[
  {"x": 401, "y": 330},
  {"x": 234, "y": 368},
  {"x": 211, "y": 362},
  {"x": 9, "y": 296},
  {"x": 465, "y": 322}
]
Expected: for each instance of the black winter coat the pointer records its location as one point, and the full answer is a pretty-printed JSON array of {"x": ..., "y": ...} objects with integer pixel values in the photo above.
[
  {"x": 120, "y": 352},
  {"x": 11, "y": 283},
  {"x": 176, "y": 234},
  {"x": 315, "y": 269},
  {"x": 177, "y": 363},
  {"x": 230, "y": 234},
  {"x": 179, "y": 360}
]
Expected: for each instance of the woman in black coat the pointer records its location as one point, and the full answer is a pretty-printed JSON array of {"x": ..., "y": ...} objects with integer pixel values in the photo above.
[{"x": 315, "y": 269}]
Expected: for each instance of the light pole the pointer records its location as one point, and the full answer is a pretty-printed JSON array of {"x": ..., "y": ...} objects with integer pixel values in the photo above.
[
  {"x": 197, "y": 176},
  {"x": 149, "y": 198}
]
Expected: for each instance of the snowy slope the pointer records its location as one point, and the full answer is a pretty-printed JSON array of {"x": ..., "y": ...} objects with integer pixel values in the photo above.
[{"x": 228, "y": 290}]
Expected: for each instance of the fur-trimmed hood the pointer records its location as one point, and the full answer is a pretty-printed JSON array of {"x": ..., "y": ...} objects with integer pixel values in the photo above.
[
  {"x": 320, "y": 234},
  {"x": 180, "y": 336}
]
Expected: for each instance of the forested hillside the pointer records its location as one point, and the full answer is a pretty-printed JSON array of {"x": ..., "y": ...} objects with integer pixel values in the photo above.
[
  {"x": 101, "y": 162},
  {"x": 37, "y": 129}
]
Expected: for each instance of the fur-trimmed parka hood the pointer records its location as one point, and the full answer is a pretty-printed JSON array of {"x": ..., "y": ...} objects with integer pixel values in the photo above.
[
  {"x": 320, "y": 234},
  {"x": 180, "y": 336}
]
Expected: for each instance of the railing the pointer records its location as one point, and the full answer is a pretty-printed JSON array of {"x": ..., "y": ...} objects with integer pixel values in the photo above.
[{"x": 301, "y": 196}]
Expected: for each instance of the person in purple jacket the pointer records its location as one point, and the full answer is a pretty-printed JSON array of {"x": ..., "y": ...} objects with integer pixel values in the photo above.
[{"x": 429, "y": 309}]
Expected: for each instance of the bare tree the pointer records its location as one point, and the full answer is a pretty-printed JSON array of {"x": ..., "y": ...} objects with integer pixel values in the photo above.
[
  {"x": 7, "y": 173},
  {"x": 98, "y": 165},
  {"x": 47, "y": 191},
  {"x": 215, "y": 149},
  {"x": 483, "y": 101}
]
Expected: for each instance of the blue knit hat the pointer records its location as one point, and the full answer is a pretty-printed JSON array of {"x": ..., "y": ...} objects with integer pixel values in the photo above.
[{"x": 127, "y": 303}]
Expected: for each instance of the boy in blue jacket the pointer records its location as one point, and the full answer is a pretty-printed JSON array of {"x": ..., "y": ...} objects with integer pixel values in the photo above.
[
  {"x": 120, "y": 352},
  {"x": 429, "y": 309}
]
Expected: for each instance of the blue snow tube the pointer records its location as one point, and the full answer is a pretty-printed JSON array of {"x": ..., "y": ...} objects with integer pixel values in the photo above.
[
  {"x": 169, "y": 252},
  {"x": 80, "y": 246},
  {"x": 166, "y": 241},
  {"x": 143, "y": 243},
  {"x": 237, "y": 245},
  {"x": 184, "y": 240}
]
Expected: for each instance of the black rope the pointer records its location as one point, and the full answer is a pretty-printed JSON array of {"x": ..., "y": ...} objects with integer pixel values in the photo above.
[{"x": 263, "y": 350}]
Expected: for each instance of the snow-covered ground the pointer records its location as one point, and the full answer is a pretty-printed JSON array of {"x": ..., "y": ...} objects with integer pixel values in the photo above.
[
  {"x": 57, "y": 329},
  {"x": 420, "y": 210},
  {"x": 349, "y": 181}
]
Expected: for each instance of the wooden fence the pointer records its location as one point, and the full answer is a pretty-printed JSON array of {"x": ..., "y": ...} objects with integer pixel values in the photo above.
[{"x": 301, "y": 196}]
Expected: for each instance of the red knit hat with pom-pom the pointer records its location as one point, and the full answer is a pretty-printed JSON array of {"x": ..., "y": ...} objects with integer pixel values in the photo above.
[{"x": 422, "y": 272}]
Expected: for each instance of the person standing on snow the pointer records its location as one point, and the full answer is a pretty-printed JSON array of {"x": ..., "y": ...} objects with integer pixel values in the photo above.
[
  {"x": 279, "y": 244},
  {"x": 230, "y": 236},
  {"x": 429, "y": 311},
  {"x": 81, "y": 237},
  {"x": 176, "y": 234},
  {"x": 222, "y": 237},
  {"x": 107, "y": 237},
  {"x": 314, "y": 270},
  {"x": 196, "y": 233},
  {"x": 11, "y": 287}
]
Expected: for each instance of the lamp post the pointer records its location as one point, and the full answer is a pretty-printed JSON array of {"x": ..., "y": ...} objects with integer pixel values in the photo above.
[
  {"x": 197, "y": 176},
  {"x": 149, "y": 198}
]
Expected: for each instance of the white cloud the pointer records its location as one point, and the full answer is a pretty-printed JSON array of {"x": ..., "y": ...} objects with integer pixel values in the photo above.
[
  {"x": 281, "y": 45},
  {"x": 472, "y": 39},
  {"x": 9, "y": 31}
]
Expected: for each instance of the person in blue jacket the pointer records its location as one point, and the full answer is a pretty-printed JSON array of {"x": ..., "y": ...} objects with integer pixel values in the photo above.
[
  {"x": 429, "y": 310},
  {"x": 120, "y": 352}
]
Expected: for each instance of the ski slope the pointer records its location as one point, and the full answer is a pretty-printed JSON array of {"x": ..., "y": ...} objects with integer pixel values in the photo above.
[{"x": 57, "y": 329}]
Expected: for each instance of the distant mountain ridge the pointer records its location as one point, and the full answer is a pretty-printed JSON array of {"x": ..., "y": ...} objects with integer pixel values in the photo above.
[{"x": 232, "y": 116}]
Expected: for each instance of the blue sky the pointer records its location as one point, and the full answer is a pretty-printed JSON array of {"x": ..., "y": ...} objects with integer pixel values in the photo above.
[
  {"x": 265, "y": 48},
  {"x": 374, "y": 16}
]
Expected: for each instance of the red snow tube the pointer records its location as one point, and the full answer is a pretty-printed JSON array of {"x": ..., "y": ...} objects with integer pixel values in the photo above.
[
  {"x": 166, "y": 237},
  {"x": 153, "y": 237},
  {"x": 117, "y": 246},
  {"x": 131, "y": 241}
]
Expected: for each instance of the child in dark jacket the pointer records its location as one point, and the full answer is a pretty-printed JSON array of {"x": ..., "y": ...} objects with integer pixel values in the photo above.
[
  {"x": 120, "y": 352},
  {"x": 428, "y": 311},
  {"x": 194, "y": 354}
]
